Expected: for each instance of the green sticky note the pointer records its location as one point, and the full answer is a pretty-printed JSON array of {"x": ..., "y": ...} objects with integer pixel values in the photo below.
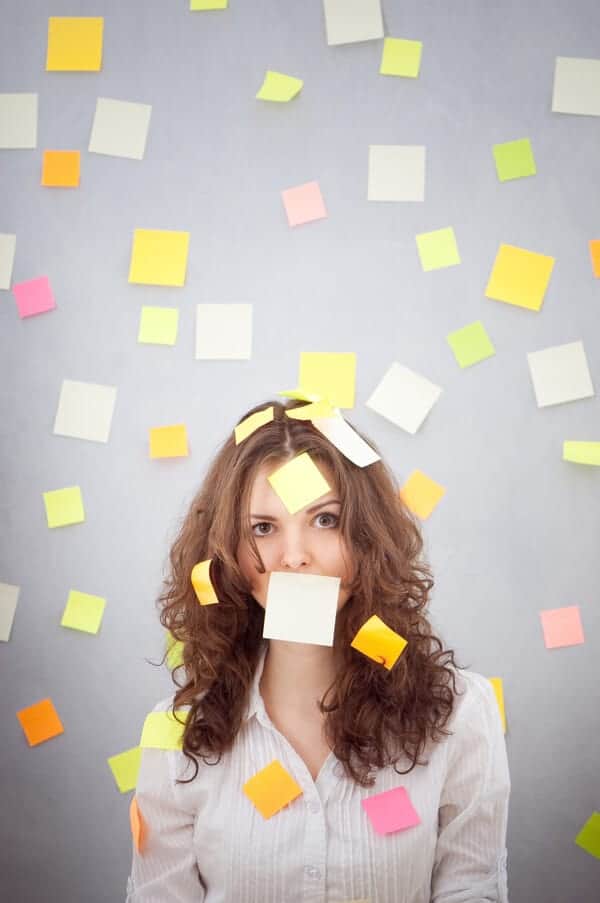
[
  {"x": 471, "y": 344},
  {"x": 64, "y": 506},
  {"x": 401, "y": 57},
  {"x": 589, "y": 836},
  {"x": 162, "y": 731},
  {"x": 438, "y": 249},
  {"x": 514, "y": 159},
  {"x": 158, "y": 325},
  {"x": 174, "y": 652},
  {"x": 279, "y": 87},
  {"x": 83, "y": 612},
  {"x": 125, "y": 767},
  {"x": 208, "y": 4},
  {"x": 582, "y": 452}
]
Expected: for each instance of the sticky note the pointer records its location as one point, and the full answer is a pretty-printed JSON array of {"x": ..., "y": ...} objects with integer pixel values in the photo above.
[
  {"x": 298, "y": 482},
  {"x": 208, "y": 4},
  {"x": 159, "y": 257},
  {"x": 201, "y": 582},
  {"x": 18, "y": 121},
  {"x": 437, "y": 249},
  {"x": 576, "y": 86},
  {"x": 85, "y": 410},
  {"x": 514, "y": 159},
  {"x": 391, "y": 811},
  {"x": 120, "y": 128},
  {"x": 396, "y": 172},
  {"x": 125, "y": 767},
  {"x": 162, "y": 730},
  {"x": 83, "y": 611},
  {"x": 8, "y": 245},
  {"x": 379, "y": 642},
  {"x": 301, "y": 395},
  {"x": 560, "y": 374},
  {"x": 64, "y": 506},
  {"x": 589, "y": 836},
  {"x": 331, "y": 375},
  {"x": 74, "y": 44},
  {"x": 311, "y": 410},
  {"x": 138, "y": 826},
  {"x": 346, "y": 439},
  {"x": 471, "y": 344},
  {"x": 594, "y": 254},
  {"x": 279, "y": 87},
  {"x": 174, "y": 651},
  {"x": 60, "y": 168},
  {"x": 223, "y": 332},
  {"x": 250, "y": 424},
  {"x": 582, "y": 452},
  {"x": 9, "y": 596},
  {"x": 520, "y": 277},
  {"x": 562, "y": 627},
  {"x": 301, "y": 608},
  {"x": 158, "y": 325},
  {"x": 498, "y": 689},
  {"x": 404, "y": 397},
  {"x": 349, "y": 21},
  {"x": 303, "y": 204},
  {"x": 40, "y": 722},
  {"x": 169, "y": 441},
  {"x": 421, "y": 494},
  {"x": 271, "y": 789},
  {"x": 34, "y": 297},
  {"x": 401, "y": 57}
]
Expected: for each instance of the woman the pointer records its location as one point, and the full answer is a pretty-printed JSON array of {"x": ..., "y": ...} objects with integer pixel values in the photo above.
[{"x": 344, "y": 727}]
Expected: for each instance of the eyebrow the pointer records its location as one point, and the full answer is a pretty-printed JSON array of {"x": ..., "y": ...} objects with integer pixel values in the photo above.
[{"x": 308, "y": 510}]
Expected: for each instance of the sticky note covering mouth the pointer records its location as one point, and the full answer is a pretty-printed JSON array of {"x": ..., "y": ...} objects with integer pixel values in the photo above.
[
  {"x": 379, "y": 642},
  {"x": 271, "y": 789}
]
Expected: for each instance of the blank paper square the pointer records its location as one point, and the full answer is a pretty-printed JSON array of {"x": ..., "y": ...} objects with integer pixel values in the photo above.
[
  {"x": 396, "y": 172},
  {"x": 158, "y": 325},
  {"x": 85, "y": 410},
  {"x": 120, "y": 128},
  {"x": 562, "y": 627},
  {"x": 348, "y": 21},
  {"x": 223, "y": 332},
  {"x": 8, "y": 245},
  {"x": 304, "y": 203},
  {"x": 404, "y": 397},
  {"x": 560, "y": 374},
  {"x": 576, "y": 86},
  {"x": 301, "y": 608},
  {"x": 437, "y": 249},
  {"x": 18, "y": 121},
  {"x": 9, "y": 596}
]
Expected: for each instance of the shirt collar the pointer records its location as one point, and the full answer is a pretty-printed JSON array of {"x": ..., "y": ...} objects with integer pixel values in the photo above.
[{"x": 255, "y": 702}]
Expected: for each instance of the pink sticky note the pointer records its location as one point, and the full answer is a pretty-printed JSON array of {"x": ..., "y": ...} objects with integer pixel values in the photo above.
[
  {"x": 562, "y": 626},
  {"x": 303, "y": 203},
  {"x": 391, "y": 811},
  {"x": 34, "y": 297}
]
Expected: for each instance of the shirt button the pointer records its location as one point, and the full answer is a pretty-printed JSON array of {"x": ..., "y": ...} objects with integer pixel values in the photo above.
[{"x": 312, "y": 872}]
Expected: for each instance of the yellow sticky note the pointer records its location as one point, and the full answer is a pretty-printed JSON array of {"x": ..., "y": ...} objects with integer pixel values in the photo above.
[
  {"x": 401, "y": 57},
  {"x": 138, "y": 826},
  {"x": 421, "y": 494},
  {"x": 300, "y": 395},
  {"x": 201, "y": 582},
  {"x": 74, "y": 44},
  {"x": 64, "y": 506},
  {"x": 125, "y": 767},
  {"x": 299, "y": 482},
  {"x": 83, "y": 611},
  {"x": 158, "y": 325},
  {"x": 496, "y": 683},
  {"x": 252, "y": 423},
  {"x": 379, "y": 642},
  {"x": 520, "y": 277},
  {"x": 159, "y": 257},
  {"x": 60, "y": 168},
  {"x": 162, "y": 731},
  {"x": 588, "y": 837},
  {"x": 438, "y": 249},
  {"x": 582, "y": 452},
  {"x": 208, "y": 4},
  {"x": 471, "y": 344},
  {"x": 279, "y": 87},
  {"x": 311, "y": 411},
  {"x": 168, "y": 441},
  {"x": 330, "y": 375},
  {"x": 272, "y": 788},
  {"x": 174, "y": 650}
]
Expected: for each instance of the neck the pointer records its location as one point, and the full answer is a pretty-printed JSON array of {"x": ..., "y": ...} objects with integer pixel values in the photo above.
[{"x": 296, "y": 675}]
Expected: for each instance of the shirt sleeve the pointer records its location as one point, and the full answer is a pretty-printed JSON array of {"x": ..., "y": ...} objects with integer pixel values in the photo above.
[
  {"x": 470, "y": 856},
  {"x": 166, "y": 871}
]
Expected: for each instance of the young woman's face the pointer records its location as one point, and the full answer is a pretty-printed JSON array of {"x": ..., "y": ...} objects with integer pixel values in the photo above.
[{"x": 307, "y": 542}]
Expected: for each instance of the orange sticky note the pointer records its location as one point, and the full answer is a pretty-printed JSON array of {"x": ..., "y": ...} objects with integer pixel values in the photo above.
[
  {"x": 595, "y": 255},
  {"x": 562, "y": 627},
  {"x": 271, "y": 789},
  {"x": 421, "y": 494},
  {"x": 379, "y": 642},
  {"x": 201, "y": 582},
  {"x": 60, "y": 168},
  {"x": 138, "y": 826},
  {"x": 496, "y": 683},
  {"x": 168, "y": 441},
  {"x": 40, "y": 722}
]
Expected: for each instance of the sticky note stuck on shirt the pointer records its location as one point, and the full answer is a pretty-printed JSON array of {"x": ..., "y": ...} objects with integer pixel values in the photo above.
[
  {"x": 40, "y": 722},
  {"x": 159, "y": 257},
  {"x": 421, "y": 494},
  {"x": 34, "y": 297},
  {"x": 74, "y": 44},
  {"x": 162, "y": 730},
  {"x": 298, "y": 482},
  {"x": 202, "y": 584},
  {"x": 562, "y": 627},
  {"x": 582, "y": 452},
  {"x": 125, "y": 767},
  {"x": 379, "y": 642},
  {"x": 438, "y": 249},
  {"x": 138, "y": 826},
  {"x": 60, "y": 168},
  {"x": 519, "y": 277},
  {"x": 391, "y": 811},
  {"x": 83, "y": 611},
  {"x": 303, "y": 203},
  {"x": 278, "y": 87},
  {"x": 329, "y": 375},
  {"x": 271, "y": 789},
  {"x": 64, "y": 506},
  {"x": 169, "y": 441},
  {"x": 514, "y": 159},
  {"x": 401, "y": 57},
  {"x": 301, "y": 608},
  {"x": 498, "y": 689},
  {"x": 471, "y": 344},
  {"x": 250, "y": 424}
]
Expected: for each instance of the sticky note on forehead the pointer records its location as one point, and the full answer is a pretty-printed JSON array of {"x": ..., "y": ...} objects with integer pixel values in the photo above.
[
  {"x": 299, "y": 482},
  {"x": 379, "y": 642},
  {"x": 330, "y": 375},
  {"x": 271, "y": 789}
]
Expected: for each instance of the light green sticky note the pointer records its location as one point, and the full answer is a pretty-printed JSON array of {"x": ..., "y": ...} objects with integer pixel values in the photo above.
[
  {"x": 589, "y": 836},
  {"x": 162, "y": 731},
  {"x": 514, "y": 159},
  {"x": 64, "y": 506},
  {"x": 174, "y": 651},
  {"x": 208, "y": 4},
  {"x": 582, "y": 452},
  {"x": 438, "y": 249},
  {"x": 471, "y": 344},
  {"x": 125, "y": 767},
  {"x": 279, "y": 87},
  {"x": 83, "y": 612},
  {"x": 158, "y": 325},
  {"x": 401, "y": 57}
]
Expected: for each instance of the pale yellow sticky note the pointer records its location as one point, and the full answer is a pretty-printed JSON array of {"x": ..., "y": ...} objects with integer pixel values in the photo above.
[
  {"x": 159, "y": 257},
  {"x": 279, "y": 87},
  {"x": 301, "y": 395},
  {"x": 169, "y": 441},
  {"x": 421, "y": 494},
  {"x": 299, "y": 482},
  {"x": 174, "y": 650},
  {"x": 138, "y": 826},
  {"x": 74, "y": 44},
  {"x": 272, "y": 788},
  {"x": 496, "y": 683},
  {"x": 312, "y": 411},
  {"x": 162, "y": 731},
  {"x": 125, "y": 767},
  {"x": 83, "y": 611},
  {"x": 64, "y": 506},
  {"x": 582, "y": 452},
  {"x": 208, "y": 4},
  {"x": 520, "y": 277},
  {"x": 201, "y": 582},
  {"x": 379, "y": 642},
  {"x": 158, "y": 325},
  {"x": 331, "y": 375},
  {"x": 252, "y": 423}
]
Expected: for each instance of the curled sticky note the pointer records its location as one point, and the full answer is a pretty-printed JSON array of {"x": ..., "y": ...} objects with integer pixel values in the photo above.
[
  {"x": 138, "y": 826},
  {"x": 201, "y": 583},
  {"x": 312, "y": 410},
  {"x": 279, "y": 87},
  {"x": 252, "y": 423},
  {"x": 496, "y": 683},
  {"x": 379, "y": 642},
  {"x": 271, "y": 788}
]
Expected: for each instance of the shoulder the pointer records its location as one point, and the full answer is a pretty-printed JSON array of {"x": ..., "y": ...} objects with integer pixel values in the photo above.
[{"x": 475, "y": 705}]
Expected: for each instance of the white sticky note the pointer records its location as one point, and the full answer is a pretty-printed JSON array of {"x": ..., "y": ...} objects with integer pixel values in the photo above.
[
  {"x": 404, "y": 397},
  {"x": 8, "y": 244},
  {"x": 301, "y": 608},
  {"x": 560, "y": 373},
  {"x": 576, "y": 86},
  {"x": 223, "y": 332},
  {"x": 120, "y": 128},
  {"x": 396, "y": 172},
  {"x": 346, "y": 439},
  {"x": 348, "y": 21},
  {"x": 85, "y": 410},
  {"x": 9, "y": 596},
  {"x": 18, "y": 121}
]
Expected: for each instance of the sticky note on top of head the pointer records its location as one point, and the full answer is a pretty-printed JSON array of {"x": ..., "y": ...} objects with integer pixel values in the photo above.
[
  {"x": 250, "y": 424},
  {"x": 298, "y": 482},
  {"x": 379, "y": 642},
  {"x": 74, "y": 44},
  {"x": 272, "y": 788}
]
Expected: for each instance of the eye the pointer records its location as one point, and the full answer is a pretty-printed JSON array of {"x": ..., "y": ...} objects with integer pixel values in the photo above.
[
  {"x": 329, "y": 514},
  {"x": 263, "y": 523}
]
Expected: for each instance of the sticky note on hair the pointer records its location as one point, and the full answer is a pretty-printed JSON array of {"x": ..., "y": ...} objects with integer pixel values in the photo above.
[
  {"x": 159, "y": 257},
  {"x": 162, "y": 731},
  {"x": 421, "y": 494},
  {"x": 279, "y": 87},
  {"x": 74, "y": 44},
  {"x": 391, "y": 811},
  {"x": 496, "y": 683},
  {"x": 311, "y": 410},
  {"x": 582, "y": 452},
  {"x": 298, "y": 482},
  {"x": 40, "y": 722},
  {"x": 125, "y": 767},
  {"x": 271, "y": 789},
  {"x": 346, "y": 439},
  {"x": 250, "y": 424},
  {"x": 379, "y": 642},
  {"x": 519, "y": 277},
  {"x": 168, "y": 441},
  {"x": 203, "y": 588},
  {"x": 64, "y": 506},
  {"x": 138, "y": 826},
  {"x": 329, "y": 375}
]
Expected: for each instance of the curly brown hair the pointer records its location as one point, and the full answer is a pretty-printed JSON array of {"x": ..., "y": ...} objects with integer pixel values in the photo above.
[{"x": 375, "y": 716}]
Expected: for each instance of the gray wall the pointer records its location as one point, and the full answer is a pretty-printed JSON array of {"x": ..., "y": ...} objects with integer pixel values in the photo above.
[{"x": 518, "y": 528}]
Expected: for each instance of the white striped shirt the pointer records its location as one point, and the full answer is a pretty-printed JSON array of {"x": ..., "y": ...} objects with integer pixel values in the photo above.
[{"x": 207, "y": 842}]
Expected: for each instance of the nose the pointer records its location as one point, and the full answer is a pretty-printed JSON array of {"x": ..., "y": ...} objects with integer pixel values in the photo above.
[{"x": 294, "y": 553}]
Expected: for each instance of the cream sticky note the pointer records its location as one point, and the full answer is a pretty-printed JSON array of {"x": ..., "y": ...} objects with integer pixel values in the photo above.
[
  {"x": 158, "y": 325},
  {"x": 379, "y": 642},
  {"x": 520, "y": 277},
  {"x": 83, "y": 611},
  {"x": 34, "y": 297},
  {"x": 202, "y": 584},
  {"x": 271, "y": 789},
  {"x": 208, "y": 4},
  {"x": 159, "y": 257},
  {"x": 438, "y": 249},
  {"x": 421, "y": 494},
  {"x": 250, "y": 424},
  {"x": 18, "y": 121},
  {"x": 125, "y": 767},
  {"x": 471, "y": 344},
  {"x": 120, "y": 128},
  {"x": 560, "y": 374},
  {"x": 401, "y": 57},
  {"x": 330, "y": 375},
  {"x": 138, "y": 826},
  {"x": 40, "y": 722},
  {"x": 8, "y": 245},
  {"x": 303, "y": 203},
  {"x": 391, "y": 811},
  {"x": 396, "y": 172},
  {"x": 404, "y": 397},
  {"x": 346, "y": 439},
  {"x": 349, "y": 21},
  {"x": 562, "y": 627},
  {"x": 298, "y": 482},
  {"x": 162, "y": 730},
  {"x": 85, "y": 410},
  {"x": 301, "y": 608},
  {"x": 169, "y": 441},
  {"x": 594, "y": 254},
  {"x": 9, "y": 596},
  {"x": 588, "y": 837},
  {"x": 498, "y": 688},
  {"x": 576, "y": 86},
  {"x": 279, "y": 87},
  {"x": 64, "y": 506},
  {"x": 223, "y": 332},
  {"x": 74, "y": 44},
  {"x": 514, "y": 159},
  {"x": 60, "y": 168},
  {"x": 582, "y": 452}
]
